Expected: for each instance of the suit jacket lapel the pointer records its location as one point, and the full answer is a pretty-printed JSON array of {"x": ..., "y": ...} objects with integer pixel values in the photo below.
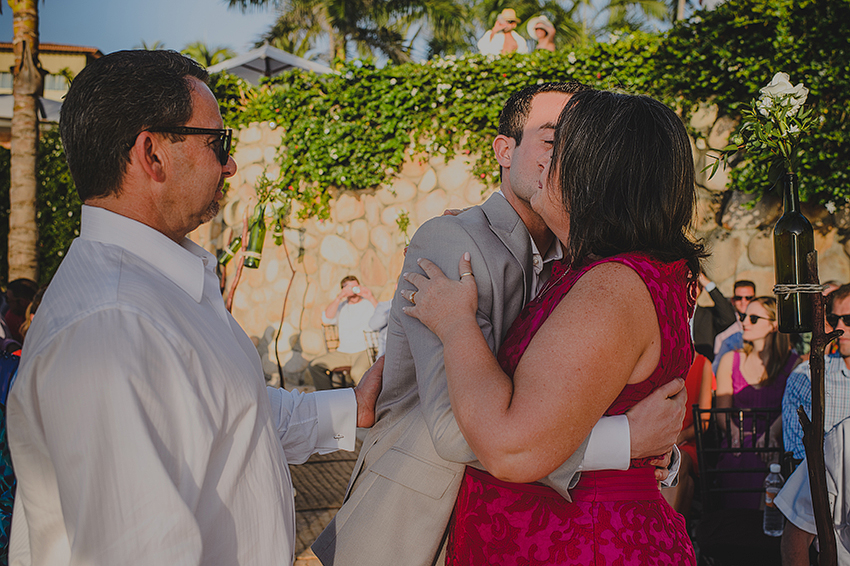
[{"x": 506, "y": 224}]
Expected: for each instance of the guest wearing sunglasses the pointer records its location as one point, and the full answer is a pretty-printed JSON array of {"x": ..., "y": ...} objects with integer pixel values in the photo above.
[
  {"x": 754, "y": 377},
  {"x": 710, "y": 320},
  {"x": 730, "y": 339}
]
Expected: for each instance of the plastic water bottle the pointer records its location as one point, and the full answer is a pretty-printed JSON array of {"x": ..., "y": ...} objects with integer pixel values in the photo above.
[{"x": 774, "y": 521}]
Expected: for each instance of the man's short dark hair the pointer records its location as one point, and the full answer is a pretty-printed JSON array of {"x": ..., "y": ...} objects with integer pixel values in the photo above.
[
  {"x": 114, "y": 99},
  {"x": 515, "y": 112},
  {"x": 346, "y": 279},
  {"x": 23, "y": 288},
  {"x": 838, "y": 295},
  {"x": 744, "y": 283}
]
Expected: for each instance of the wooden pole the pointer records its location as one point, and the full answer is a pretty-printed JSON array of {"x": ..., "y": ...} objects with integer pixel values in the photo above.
[{"x": 813, "y": 430}]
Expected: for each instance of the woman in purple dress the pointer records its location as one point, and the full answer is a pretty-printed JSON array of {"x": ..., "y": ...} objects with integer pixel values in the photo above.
[
  {"x": 754, "y": 378},
  {"x": 619, "y": 194}
]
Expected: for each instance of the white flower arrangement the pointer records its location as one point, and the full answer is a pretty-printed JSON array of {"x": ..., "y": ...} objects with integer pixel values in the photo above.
[{"x": 773, "y": 124}]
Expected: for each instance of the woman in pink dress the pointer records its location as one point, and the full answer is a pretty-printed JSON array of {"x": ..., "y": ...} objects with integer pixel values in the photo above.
[{"x": 619, "y": 194}]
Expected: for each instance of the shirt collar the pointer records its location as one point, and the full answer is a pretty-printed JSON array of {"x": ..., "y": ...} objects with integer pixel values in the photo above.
[
  {"x": 183, "y": 263},
  {"x": 554, "y": 252}
]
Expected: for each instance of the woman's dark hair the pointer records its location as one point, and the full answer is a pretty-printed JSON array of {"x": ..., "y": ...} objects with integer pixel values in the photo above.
[
  {"x": 111, "y": 101},
  {"x": 626, "y": 173}
]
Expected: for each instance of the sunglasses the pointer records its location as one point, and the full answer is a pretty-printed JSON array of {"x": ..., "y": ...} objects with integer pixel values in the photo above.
[
  {"x": 833, "y": 319},
  {"x": 743, "y": 297},
  {"x": 223, "y": 142},
  {"x": 754, "y": 318}
]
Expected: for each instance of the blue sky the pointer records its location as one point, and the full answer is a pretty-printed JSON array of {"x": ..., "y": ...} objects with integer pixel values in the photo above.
[{"x": 111, "y": 25}]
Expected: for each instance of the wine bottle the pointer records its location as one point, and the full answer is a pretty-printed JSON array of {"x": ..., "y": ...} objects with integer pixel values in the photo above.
[
  {"x": 793, "y": 239},
  {"x": 227, "y": 253},
  {"x": 256, "y": 238}
]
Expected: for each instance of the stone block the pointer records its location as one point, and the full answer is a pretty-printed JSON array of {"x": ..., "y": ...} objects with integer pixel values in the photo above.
[
  {"x": 338, "y": 251},
  {"x": 718, "y": 183},
  {"x": 359, "y": 234},
  {"x": 313, "y": 341},
  {"x": 725, "y": 249},
  {"x": 719, "y": 136},
  {"x": 383, "y": 238},
  {"x": 429, "y": 181},
  {"x": 270, "y": 267},
  {"x": 432, "y": 205},
  {"x": 373, "y": 272},
  {"x": 740, "y": 213},
  {"x": 250, "y": 174},
  {"x": 373, "y": 208},
  {"x": 454, "y": 175},
  {"x": 396, "y": 264},
  {"x": 389, "y": 215},
  {"x": 347, "y": 207},
  {"x": 833, "y": 264},
  {"x": 764, "y": 278},
  {"x": 247, "y": 155},
  {"x": 414, "y": 168},
  {"x": 704, "y": 117},
  {"x": 705, "y": 214},
  {"x": 760, "y": 248},
  {"x": 474, "y": 191},
  {"x": 824, "y": 239},
  {"x": 401, "y": 190},
  {"x": 300, "y": 239},
  {"x": 269, "y": 155},
  {"x": 251, "y": 134}
]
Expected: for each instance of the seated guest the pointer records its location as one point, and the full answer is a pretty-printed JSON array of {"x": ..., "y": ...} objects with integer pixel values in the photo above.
[
  {"x": 350, "y": 311},
  {"x": 795, "y": 502},
  {"x": 699, "y": 385},
  {"x": 798, "y": 391},
  {"x": 19, "y": 294},
  {"x": 709, "y": 321},
  {"x": 754, "y": 377},
  {"x": 730, "y": 339}
]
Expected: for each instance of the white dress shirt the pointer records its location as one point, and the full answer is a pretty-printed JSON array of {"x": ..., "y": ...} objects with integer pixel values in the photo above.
[
  {"x": 493, "y": 45},
  {"x": 140, "y": 424}
]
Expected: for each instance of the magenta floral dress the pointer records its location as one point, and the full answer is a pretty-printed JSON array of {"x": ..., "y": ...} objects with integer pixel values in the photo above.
[{"x": 616, "y": 517}]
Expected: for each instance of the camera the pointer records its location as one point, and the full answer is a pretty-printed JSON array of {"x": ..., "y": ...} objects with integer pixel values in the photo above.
[{"x": 355, "y": 290}]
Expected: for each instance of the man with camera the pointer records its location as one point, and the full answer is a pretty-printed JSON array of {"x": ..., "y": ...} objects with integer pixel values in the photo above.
[{"x": 350, "y": 311}]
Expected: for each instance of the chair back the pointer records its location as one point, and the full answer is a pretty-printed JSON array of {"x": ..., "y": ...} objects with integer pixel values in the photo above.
[
  {"x": 735, "y": 431},
  {"x": 331, "y": 336},
  {"x": 372, "y": 344}
]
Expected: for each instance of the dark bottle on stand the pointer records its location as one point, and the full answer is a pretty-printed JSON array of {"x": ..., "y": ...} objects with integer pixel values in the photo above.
[
  {"x": 793, "y": 239},
  {"x": 256, "y": 238},
  {"x": 227, "y": 253}
]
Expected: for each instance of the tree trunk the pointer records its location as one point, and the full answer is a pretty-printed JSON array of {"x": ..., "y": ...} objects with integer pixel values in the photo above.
[{"x": 27, "y": 87}]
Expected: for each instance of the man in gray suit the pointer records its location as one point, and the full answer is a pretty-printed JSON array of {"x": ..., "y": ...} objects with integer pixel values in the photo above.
[{"x": 406, "y": 479}]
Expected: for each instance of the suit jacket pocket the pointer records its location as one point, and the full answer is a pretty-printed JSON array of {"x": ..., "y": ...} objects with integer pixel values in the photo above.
[{"x": 415, "y": 473}]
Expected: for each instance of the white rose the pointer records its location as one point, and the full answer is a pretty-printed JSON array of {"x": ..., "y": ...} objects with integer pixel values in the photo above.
[{"x": 780, "y": 87}]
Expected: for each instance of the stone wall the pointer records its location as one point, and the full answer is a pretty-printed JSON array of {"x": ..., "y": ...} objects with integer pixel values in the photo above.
[{"x": 362, "y": 239}]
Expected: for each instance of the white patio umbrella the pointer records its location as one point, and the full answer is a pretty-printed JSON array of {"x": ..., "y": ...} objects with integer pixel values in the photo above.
[{"x": 265, "y": 61}]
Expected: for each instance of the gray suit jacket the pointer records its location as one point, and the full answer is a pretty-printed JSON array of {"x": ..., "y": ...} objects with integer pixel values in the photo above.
[{"x": 406, "y": 479}]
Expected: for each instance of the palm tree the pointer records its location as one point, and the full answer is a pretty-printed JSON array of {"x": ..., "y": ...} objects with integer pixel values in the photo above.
[
  {"x": 206, "y": 56},
  {"x": 152, "y": 47},
  {"x": 371, "y": 27},
  {"x": 27, "y": 85}
]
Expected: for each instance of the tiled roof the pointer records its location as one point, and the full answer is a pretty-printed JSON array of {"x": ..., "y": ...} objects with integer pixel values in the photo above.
[{"x": 58, "y": 48}]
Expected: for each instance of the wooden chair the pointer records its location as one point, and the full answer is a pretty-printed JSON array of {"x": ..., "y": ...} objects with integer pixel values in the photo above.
[
  {"x": 339, "y": 376},
  {"x": 726, "y": 535},
  {"x": 372, "y": 344}
]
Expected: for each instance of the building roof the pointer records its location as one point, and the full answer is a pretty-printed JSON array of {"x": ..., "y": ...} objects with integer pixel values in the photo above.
[{"x": 58, "y": 48}]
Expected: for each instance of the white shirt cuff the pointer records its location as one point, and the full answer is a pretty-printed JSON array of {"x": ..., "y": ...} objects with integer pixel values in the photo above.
[
  {"x": 336, "y": 410},
  {"x": 711, "y": 286},
  {"x": 609, "y": 447},
  {"x": 673, "y": 468}
]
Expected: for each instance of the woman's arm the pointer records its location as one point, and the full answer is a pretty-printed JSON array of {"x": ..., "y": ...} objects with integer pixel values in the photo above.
[{"x": 523, "y": 429}]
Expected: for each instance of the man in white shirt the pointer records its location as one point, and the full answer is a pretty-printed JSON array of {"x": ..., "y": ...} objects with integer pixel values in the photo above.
[
  {"x": 406, "y": 479},
  {"x": 503, "y": 38},
  {"x": 140, "y": 424},
  {"x": 350, "y": 311}
]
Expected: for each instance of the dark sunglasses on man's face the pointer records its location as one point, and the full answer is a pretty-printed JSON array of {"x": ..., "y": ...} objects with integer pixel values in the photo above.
[
  {"x": 832, "y": 319},
  {"x": 743, "y": 297},
  {"x": 224, "y": 138}
]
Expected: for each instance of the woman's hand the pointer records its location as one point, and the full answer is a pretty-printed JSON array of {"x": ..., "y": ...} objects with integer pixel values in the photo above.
[{"x": 438, "y": 302}]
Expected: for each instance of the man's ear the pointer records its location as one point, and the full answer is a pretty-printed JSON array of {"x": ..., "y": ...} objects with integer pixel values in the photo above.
[
  {"x": 147, "y": 153},
  {"x": 503, "y": 146}
]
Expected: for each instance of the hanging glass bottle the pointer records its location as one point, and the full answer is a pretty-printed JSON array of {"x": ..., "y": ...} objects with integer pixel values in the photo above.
[
  {"x": 227, "y": 253},
  {"x": 793, "y": 239}
]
